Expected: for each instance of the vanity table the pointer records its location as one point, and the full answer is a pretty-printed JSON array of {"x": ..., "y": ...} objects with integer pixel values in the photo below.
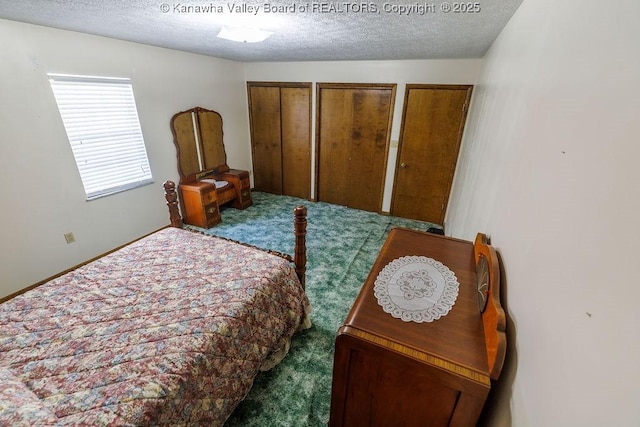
[
  {"x": 421, "y": 367},
  {"x": 206, "y": 181}
]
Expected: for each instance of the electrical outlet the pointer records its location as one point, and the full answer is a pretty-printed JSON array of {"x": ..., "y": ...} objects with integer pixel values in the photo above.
[{"x": 69, "y": 237}]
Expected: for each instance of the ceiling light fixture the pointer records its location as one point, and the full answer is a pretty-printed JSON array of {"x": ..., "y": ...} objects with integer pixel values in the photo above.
[{"x": 244, "y": 34}]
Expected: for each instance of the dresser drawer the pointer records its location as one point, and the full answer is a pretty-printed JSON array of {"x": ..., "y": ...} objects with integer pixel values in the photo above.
[
  {"x": 212, "y": 213},
  {"x": 209, "y": 197}
]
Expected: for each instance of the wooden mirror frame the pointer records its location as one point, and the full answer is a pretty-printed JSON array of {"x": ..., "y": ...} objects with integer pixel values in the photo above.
[{"x": 199, "y": 141}]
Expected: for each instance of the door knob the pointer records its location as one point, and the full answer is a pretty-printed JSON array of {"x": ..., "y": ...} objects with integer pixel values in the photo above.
[{"x": 403, "y": 165}]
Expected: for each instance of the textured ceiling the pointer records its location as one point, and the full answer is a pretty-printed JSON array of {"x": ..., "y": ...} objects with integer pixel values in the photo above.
[{"x": 303, "y": 30}]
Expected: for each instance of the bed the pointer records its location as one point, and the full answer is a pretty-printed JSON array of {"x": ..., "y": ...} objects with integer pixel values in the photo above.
[{"x": 169, "y": 330}]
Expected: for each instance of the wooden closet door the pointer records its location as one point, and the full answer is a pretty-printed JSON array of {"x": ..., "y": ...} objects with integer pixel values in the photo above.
[
  {"x": 295, "y": 117},
  {"x": 266, "y": 147},
  {"x": 432, "y": 125},
  {"x": 353, "y": 139},
  {"x": 280, "y": 115}
]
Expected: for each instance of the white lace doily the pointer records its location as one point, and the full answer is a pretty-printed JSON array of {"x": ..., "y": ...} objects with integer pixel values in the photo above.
[{"x": 416, "y": 289}]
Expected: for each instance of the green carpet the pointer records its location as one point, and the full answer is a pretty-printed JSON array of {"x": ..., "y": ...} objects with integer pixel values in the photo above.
[{"x": 342, "y": 245}]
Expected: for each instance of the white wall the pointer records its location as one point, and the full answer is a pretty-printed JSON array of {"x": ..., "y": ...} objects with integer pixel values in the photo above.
[
  {"x": 399, "y": 72},
  {"x": 549, "y": 168},
  {"x": 42, "y": 195}
]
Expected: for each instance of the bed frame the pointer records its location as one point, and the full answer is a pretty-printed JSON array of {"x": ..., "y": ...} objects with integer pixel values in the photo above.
[{"x": 299, "y": 227}]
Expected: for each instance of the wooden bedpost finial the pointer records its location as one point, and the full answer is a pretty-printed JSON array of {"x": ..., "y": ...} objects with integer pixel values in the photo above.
[
  {"x": 171, "y": 196},
  {"x": 300, "y": 231}
]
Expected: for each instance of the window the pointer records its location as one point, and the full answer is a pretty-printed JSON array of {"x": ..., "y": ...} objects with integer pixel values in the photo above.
[{"x": 101, "y": 120}]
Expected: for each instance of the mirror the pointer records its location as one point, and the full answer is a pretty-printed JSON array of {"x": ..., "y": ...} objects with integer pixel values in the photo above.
[{"x": 198, "y": 136}]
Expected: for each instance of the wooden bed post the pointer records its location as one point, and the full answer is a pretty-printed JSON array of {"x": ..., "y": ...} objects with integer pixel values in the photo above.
[
  {"x": 300, "y": 231},
  {"x": 172, "y": 202}
]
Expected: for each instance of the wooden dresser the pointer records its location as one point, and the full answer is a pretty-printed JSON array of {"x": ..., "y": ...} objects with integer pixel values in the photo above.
[{"x": 388, "y": 372}]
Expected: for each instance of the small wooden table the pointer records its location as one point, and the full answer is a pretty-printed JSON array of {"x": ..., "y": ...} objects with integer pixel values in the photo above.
[{"x": 388, "y": 372}]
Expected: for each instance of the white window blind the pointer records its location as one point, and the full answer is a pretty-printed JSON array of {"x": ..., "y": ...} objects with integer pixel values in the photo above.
[{"x": 101, "y": 120}]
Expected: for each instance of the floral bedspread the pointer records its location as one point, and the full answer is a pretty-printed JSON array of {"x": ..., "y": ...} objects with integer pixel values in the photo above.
[{"x": 170, "y": 330}]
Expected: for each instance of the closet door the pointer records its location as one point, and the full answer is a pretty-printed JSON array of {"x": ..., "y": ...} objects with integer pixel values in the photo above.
[
  {"x": 354, "y": 123},
  {"x": 280, "y": 116},
  {"x": 266, "y": 147},
  {"x": 295, "y": 121},
  {"x": 432, "y": 123}
]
